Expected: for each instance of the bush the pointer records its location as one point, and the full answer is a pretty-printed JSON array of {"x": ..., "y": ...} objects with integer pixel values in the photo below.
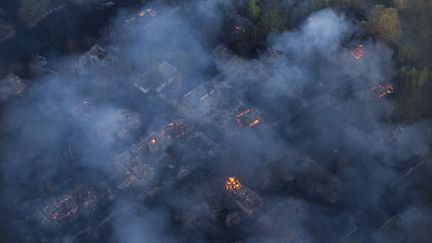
[
  {"x": 384, "y": 23},
  {"x": 400, "y": 4},
  {"x": 415, "y": 87}
]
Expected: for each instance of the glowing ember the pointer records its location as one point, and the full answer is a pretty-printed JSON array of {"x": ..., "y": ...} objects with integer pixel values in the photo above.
[
  {"x": 153, "y": 140},
  {"x": 358, "y": 52},
  {"x": 148, "y": 11},
  {"x": 383, "y": 90},
  {"x": 254, "y": 123},
  {"x": 389, "y": 89},
  {"x": 61, "y": 209},
  {"x": 136, "y": 173},
  {"x": 70, "y": 206},
  {"x": 246, "y": 118},
  {"x": 88, "y": 199},
  {"x": 232, "y": 184},
  {"x": 174, "y": 130},
  {"x": 243, "y": 113}
]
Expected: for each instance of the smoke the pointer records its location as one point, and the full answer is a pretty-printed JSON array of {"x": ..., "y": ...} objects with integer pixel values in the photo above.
[
  {"x": 133, "y": 225},
  {"x": 324, "y": 152}
]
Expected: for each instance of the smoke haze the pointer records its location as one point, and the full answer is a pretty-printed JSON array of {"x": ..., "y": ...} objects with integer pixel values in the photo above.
[{"x": 324, "y": 154}]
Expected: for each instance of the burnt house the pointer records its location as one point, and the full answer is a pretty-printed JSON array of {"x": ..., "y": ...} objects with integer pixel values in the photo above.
[
  {"x": 248, "y": 200},
  {"x": 70, "y": 207},
  {"x": 136, "y": 167},
  {"x": 164, "y": 80}
]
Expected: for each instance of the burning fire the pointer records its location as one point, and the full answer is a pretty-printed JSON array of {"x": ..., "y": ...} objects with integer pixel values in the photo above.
[
  {"x": 243, "y": 121},
  {"x": 174, "y": 130},
  {"x": 232, "y": 184},
  {"x": 88, "y": 199},
  {"x": 153, "y": 140},
  {"x": 243, "y": 113},
  {"x": 383, "y": 90},
  {"x": 358, "y": 52},
  {"x": 62, "y": 209},
  {"x": 149, "y": 11},
  {"x": 254, "y": 122}
]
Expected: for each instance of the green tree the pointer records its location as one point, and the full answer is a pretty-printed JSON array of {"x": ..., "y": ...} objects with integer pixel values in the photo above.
[
  {"x": 271, "y": 20},
  {"x": 415, "y": 78},
  {"x": 317, "y": 5},
  {"x": 253, "y": 10},
  {"x": 415, "y": 88},
  {"x": 384, "y": 23},
  {"x": 408, "y": 53},
  {"x": 401, "y": 4}
]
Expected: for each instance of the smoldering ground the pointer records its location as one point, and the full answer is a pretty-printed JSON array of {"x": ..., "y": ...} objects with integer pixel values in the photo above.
[{"x": 323, "y": 156}]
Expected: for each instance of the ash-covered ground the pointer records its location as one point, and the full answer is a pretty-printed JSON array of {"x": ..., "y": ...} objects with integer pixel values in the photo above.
[{"x": 165, "y": 131}]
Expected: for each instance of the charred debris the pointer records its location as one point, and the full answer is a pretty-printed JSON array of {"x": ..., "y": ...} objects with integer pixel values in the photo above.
[{"x": 149, "y": 161}]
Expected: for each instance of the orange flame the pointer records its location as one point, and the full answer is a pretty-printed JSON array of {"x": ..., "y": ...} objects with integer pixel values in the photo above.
[
  {"x": 243, "y": 113},
  {"x": 153, "y": 140},
  {"x": 240, "y": 115},
  {"x": 358, "y": 52},
  {"x": 255, "y": 122},
  {"x": 232, "y": 184},
  {"x": 174, "y": 130},
  {"x": 384, "y": 89},
  {"x": 241, "y": 122},
  {"x": 388, "y": 89},
  {"x": 149, "y": 11}
]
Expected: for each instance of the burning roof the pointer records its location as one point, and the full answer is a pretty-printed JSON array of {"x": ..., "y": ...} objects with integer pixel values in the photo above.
[
  {"x": 147, "y": 12},
  {"x": 175, "y": 130},
  {"x": 244, "y": 197},
  {"x": 136, "y": 168},
  {"x": 156, "y": 142},
  {"x": 247, "y": 118},
  {"x": 70, "y": 206},
  {"x": 60, "y": 209},
  {"x": 140, "y": 19},
  {"x": 358, "y": 52},
  {"x": 232, "y": 184},
  {"x": 382, "y": 90}
]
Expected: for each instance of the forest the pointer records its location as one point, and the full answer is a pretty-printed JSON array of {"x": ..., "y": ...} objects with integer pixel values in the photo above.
[{"x": 401, "y": 24}]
